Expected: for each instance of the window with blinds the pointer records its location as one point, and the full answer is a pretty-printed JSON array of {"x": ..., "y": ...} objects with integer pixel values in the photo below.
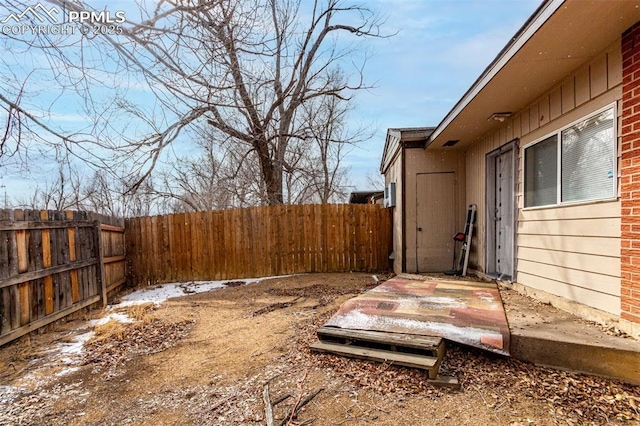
[
  {"x": 584, "y": 157},
  {"x": 541, "y": 173},
  {"x": 587, "y": 159}
]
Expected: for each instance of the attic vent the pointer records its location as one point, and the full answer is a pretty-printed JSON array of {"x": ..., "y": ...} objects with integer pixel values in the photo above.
[{"x": 451, "y": 142}]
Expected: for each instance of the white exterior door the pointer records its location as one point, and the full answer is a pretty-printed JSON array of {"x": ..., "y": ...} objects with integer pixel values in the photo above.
[{"x": 500, "y": 212}]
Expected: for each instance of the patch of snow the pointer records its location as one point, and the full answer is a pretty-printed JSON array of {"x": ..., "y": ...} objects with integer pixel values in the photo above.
[
  {"x": 444, "y": 300},
  {"x": 114, "y": 316},
  {"x": 441, "y": 303},
  {"x": 37, "y": 377},
  {"x": 485, "y": 296},
  {"x": 429, "y": 302},
  {"x": 355, "y": 319},
  {"x": 9, "y": 393},
  {"x": 163, "y": 292},
  {"x": 69, "y": 353},
  {"x": 66, "y": 371},
  {"x": 75, "y": 346}
]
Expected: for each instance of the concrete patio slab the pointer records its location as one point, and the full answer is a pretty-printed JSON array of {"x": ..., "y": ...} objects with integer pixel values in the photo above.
[{"x": 548, "y": 336}]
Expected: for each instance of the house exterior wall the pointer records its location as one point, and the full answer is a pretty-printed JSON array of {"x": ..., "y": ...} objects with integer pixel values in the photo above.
[
  {"x": 394, "y": 174},
  {"x": 569, "y": 251},
  {"x": 630, "y": 175},
  {"x": 417, "y": 161}
]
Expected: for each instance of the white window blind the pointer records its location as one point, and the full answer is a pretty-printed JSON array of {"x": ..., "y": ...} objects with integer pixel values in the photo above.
[
  {"x": 541, "y": 173},
  {"x": 578, "y": 160},
  {"x": 588, "y": 159}
]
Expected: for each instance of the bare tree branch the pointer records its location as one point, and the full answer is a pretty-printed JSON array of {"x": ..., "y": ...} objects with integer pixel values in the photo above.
[{"x": 251, "y": 70}]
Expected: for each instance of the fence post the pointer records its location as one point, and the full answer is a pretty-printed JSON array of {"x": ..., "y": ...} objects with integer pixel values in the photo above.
[{"x": 100, "y": 257}]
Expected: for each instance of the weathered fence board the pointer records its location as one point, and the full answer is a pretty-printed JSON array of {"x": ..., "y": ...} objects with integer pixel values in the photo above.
[
  {"x": 258, "y": 241},
  {"x": 113, "y": 253},
  {"x": 51, "y": 265}
]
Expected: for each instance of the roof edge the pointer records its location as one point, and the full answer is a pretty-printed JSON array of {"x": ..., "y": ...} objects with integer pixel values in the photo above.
[
  {"x": 402, "y": 134},
  {"x": 530, "y": 27}
]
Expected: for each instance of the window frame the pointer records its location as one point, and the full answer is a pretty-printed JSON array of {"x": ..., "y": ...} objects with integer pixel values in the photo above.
[{"x": 558, "y": 134}]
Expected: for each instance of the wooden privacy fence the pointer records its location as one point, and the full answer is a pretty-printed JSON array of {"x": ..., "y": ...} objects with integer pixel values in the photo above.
[
  {"x": 53, "y": 264},
  {"x": 258, "y": 241}
]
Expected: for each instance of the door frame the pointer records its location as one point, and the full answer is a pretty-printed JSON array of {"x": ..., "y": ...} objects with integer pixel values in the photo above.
[{"x": 490, "y": 185}]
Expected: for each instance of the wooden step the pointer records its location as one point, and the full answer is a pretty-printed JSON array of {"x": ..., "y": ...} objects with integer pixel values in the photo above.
[
  {"x": 399, "y": 358},
  {"x": 348, "y": 336},
  {"x": 424, "y": 352}
]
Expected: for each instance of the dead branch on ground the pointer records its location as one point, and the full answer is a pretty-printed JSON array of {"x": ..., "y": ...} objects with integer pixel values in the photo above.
[
  {"x": 274, "y": 306},
  {"x": 268, "y": 408}
]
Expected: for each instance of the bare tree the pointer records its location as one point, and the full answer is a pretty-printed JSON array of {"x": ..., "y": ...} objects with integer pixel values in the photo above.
[
  {"x": 64, "y": 192},
  {"x": 221, "y": 176},
  {"x": 246, "y": 68},
  {"x": 375, "y": 180},
  {"x": 69, "y": 190},
  {"x": 48, "y": 78},
  {"x": 109, "y": 196},
  {"x": 224, "y": 174},
  {"x": 316, "y": 165}
]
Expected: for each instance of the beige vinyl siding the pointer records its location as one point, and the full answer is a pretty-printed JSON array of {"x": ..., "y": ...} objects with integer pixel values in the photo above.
[
  {"x": 476, "y": 178},
  {"x": 580, "y": 281},
  {"x": 587, "y": 297},
  {"x": 597, "y": 227},
  {"x": 572, "y": 252},
  {"x": 579, "y": 238},
  {"x": 598, "y": 246},
  {"x": 596, "y": 263},
  {"x": 569, "y": 251},
  {"x": 555, "y": 103}
]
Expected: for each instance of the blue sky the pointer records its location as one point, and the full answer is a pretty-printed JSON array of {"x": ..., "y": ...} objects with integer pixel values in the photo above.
[{"x": 440, "y": 48}]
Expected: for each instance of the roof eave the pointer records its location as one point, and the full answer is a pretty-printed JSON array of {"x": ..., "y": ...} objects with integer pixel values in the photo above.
[
  {"x": 407, "y": 134},
  {"x": 537, "y": 19}
]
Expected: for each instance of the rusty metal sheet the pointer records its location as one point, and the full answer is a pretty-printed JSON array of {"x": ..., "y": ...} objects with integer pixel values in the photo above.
[{"x": 466, "y": 312}]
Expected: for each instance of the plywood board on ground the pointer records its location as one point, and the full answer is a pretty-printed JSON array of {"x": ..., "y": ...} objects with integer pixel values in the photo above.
[{"x": 470, "y": 313}]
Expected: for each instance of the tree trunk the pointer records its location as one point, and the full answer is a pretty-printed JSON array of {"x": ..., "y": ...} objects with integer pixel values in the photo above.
[
  {"x": 273, "y": 187},
  {"x": 271, "y": 173}
]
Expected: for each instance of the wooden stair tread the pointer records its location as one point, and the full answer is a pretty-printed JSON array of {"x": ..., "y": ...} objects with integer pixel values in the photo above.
[
  {"x": 400, "y": 358},
  {"x": 383, "y": 337}
]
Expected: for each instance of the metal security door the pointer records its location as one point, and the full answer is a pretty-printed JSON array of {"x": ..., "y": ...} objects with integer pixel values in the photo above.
[{"x": 500, "y": 212}]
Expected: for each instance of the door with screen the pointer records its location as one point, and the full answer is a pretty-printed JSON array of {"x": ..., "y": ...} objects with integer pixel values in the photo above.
[{"x": 500, "y": 212}]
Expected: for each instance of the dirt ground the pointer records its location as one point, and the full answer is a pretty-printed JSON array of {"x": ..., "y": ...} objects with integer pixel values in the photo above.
[{"x": 206, "y": 358}]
